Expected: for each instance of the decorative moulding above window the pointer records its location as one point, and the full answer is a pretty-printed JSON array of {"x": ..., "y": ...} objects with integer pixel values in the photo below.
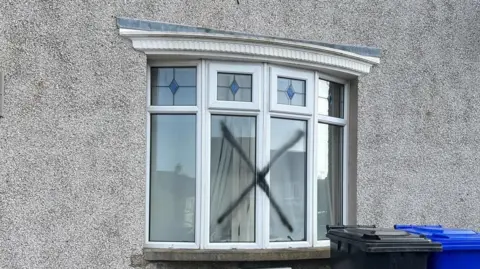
[{"x": 156, "y": 38}]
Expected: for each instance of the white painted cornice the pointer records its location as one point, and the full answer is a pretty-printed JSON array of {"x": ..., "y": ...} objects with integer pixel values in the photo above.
[{"x": 250, "y": 47}]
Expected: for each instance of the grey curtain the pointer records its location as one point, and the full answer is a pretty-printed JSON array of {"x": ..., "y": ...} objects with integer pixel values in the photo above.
[{"x": 229, "y": 177}]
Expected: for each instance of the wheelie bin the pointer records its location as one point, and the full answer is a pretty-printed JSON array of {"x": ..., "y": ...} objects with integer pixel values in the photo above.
[
  {"x": 368, "y": 247},
  {"x": 461, "y": 247}
]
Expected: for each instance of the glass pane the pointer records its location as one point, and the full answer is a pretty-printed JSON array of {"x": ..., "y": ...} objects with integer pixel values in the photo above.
[
  {"x": 239, "y": 85},
  {"x": 163, "y": 95},
  {"x": 282, "y": 84},
  {"x": 298, "y": 85},
  {"x": 298, "y": 100},
  {"x": 172, "y": 178},
  {"x": 186, "y": 77},
  {"x": 244, "y": 81},
  {"x": 229, "y": 176},
  {"x": 244, "y": 94},
  {"x": 224, "y": 80},
  {"x": 224, "y": 93},
  {"x": 165, "y": 76},
  {"x": 329, "y": 177},
  {"x": 293, "y": 90},
  {"x": 288, "y": 181},
  {"x": 185, "y": 96},
  {"x": 282, "y": 98},
  {"x": 167, "y": 84},
  {"x": 330, "y": 99}
]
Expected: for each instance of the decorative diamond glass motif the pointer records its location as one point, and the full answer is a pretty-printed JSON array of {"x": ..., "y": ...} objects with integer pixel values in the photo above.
[
  {"x": 234, "y": 87},
  {"x": 290, "y": 92},
  {"x": 173, "y": 86}
]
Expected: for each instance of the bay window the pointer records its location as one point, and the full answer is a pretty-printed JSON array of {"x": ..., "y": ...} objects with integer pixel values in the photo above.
[
  {"x": 194, "y": 174},
  {"x": 263, "y": 90}
]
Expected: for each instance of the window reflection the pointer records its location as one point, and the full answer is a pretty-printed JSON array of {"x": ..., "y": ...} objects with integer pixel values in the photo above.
[
  {"x": 172, "y": 178},
  {"x": 330, "y": 98},
  {"x": 288, "y": 180}
]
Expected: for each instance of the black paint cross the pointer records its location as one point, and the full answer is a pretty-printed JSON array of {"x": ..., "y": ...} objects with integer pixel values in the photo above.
[{"x": 259, "y": 177}]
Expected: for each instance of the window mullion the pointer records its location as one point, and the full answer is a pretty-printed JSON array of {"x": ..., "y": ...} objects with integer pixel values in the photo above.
[
  {"x": 345, "y": 155},
  {"x": 264, "y": 155},
  {"x": 314, "y": 190},
  {"x": 199, "y": 155},
  {"x": 147, "y": 174},
  {"x": 147, "y": 182},
  {"x": 204, "y": 198}
]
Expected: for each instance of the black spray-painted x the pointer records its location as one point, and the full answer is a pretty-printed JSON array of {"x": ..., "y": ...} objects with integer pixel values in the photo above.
[{"x": 259, "y": 177}]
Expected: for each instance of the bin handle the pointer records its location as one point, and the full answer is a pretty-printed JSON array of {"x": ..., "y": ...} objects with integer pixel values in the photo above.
[
  {"x": 333, "y": 227},
  {"x": 370, "y": 237}
]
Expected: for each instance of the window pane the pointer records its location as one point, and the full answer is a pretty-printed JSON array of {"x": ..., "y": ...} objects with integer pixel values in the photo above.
[
  {"x": 238, "y": 85},
  {"x": 183, "y": 96},
  {"x": 244, "y": 81},
  {"x": 224, "y": 93},
  {"x": 288, "y": 181},
  {"x": 298, "y": 100},
  {"x": 244, "y": 94},
  {"x": 172, "y": 178},
  {"x": 230, "y": 175},
  {"x": 329, "y": 177},
  {"x": 174, "y": 86},
  {"x": 163, "y": 95},
  {"x": 330, "y": 99},
  {"x": 282, "y": 98},
  {"x": 224, "y": 80},
  {"x": 291, "y": 91}
]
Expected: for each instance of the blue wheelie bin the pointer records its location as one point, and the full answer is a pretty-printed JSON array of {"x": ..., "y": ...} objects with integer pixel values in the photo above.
[{"x": 461, "y": 247}]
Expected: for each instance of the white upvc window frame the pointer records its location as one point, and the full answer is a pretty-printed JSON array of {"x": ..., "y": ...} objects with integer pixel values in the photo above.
[
  {"x": 262, "y": 77},
  {"x": 156, "y": 110},
  {"x": 235, "y": 109},
  {"x": 292, "y": 73},
  {"x": 254, "y": 69},
  {"x": 274, "y": 110},
  {"x": 340, "y": 122}
]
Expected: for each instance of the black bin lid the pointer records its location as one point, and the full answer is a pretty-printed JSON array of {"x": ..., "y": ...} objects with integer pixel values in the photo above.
[{"x": 383, "y": 240}]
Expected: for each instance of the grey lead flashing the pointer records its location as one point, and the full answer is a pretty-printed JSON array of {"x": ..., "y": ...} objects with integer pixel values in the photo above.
[{"x": 145, "y": 25}]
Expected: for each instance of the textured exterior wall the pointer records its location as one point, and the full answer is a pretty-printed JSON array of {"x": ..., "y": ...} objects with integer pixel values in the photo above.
[{"x": 72, "y": 162}]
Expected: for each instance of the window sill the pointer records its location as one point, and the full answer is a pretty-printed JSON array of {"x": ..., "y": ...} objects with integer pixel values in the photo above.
[{"x": 155, "y": 254}]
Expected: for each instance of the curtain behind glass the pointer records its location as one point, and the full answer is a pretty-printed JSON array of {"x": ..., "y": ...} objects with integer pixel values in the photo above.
[
  {"x": 229, "y": 177},
  {"x": 329, "y": 177}
]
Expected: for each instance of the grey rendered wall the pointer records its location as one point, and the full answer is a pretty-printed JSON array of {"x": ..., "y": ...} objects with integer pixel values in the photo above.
[{"x": 73, "y": 136}]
